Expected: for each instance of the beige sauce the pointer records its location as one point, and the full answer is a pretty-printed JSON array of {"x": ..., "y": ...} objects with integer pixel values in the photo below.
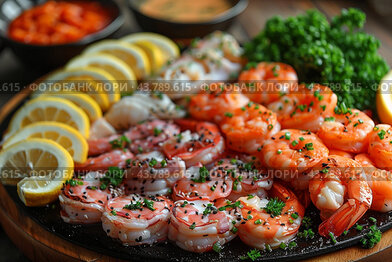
[{"x": 186, "y": 11}]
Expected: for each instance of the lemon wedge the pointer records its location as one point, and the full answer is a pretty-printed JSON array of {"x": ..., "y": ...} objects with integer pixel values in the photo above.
[
  {"x": 132, "y": 55},
  {"x": 39, "y": 167},
  {"x": 169, "y": 49},
  {"x": 69, "y": 138},
  {"x": 117, "y": 68},
  {"x": 154, "y": 54},
  {"x": 384, "y": 99},
  {"x": 84, "y": 101},
  {"x": 94, "y": 81},
  {"x": 50, "y": 109}
]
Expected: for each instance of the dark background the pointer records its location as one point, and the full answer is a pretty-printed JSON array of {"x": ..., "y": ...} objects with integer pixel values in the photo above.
[{"x": 379, "y": 23}]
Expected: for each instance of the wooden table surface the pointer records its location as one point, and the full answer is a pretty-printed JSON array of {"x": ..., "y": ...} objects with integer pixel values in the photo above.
[{"x": 249, "y": 24}]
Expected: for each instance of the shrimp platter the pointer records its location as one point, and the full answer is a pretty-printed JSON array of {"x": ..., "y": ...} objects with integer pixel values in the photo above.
[{"x": 259, "y": 166}]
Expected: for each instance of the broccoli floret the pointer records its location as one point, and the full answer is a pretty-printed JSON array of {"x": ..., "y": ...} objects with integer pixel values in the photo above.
[
  {"x": 371, "y": 238},
  {"x": 339, "y": 55}
]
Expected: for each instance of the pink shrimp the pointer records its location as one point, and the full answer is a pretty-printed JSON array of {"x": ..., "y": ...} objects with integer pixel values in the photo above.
[
  {"x": 82, "y": 200},
  {"x": 263, "y": 227},
  {"x": 380, "y": 181},
  {"x": 247, "y": 128},
  {"x": 213, "y": 104},
  {"x": 380, "y": 146},
  {"x": 203, "y": 146},
  {"x": 198, "y": 225},
  {"x": 348, "y": 132},
  {"x": 305, "y": 108},
  {"x": 340, "y": 191},
  {"x": 116, "y": 158},
  {"x": 136, "y": 220},
  {"x": 153, "y": 174},
  {"x": 200, "y": 183},
  {"x": 268, "y": 81},
  {"x": 144, "y": 137},
  {"x": 291, "y": 153}
]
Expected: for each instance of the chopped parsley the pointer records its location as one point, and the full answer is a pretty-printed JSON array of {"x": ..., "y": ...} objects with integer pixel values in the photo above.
[
  {"x": 113, "y": 176},
  {"x": 252, "y": 255},
  {"x": 371, "y": 238},
  {"x": 217, "y": 247},
  {"x": 274, "y": 207},
  {"x": 203, "y": 175},
  {"x": 120, "y": 142},
  {"x": 73, "y": 182}
]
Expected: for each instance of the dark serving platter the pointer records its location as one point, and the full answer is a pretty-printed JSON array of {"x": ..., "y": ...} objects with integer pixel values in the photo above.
[{"x": 93, "y": 237}]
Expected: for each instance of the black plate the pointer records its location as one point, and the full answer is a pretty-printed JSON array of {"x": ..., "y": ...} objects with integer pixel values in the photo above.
[{"x": 94, "y": 238}]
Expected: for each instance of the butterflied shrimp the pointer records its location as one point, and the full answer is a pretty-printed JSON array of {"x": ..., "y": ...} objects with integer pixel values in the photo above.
[
  {"x": 197, "y": 225},
  {"x": 201, "y": 142},
  {"x": 82, "y": 200},
  {"x": 348, "y": 132},
  {"x": 380, "y": 146},
  {"x": 305, "y": 108},
  {"x": 248, "y": 127},
  {"x": 268, "y": 81},
  {"x": 380, "y": 181},
  {"x": 201, "y": 183},
  {"x": 116, "y": 158},
  {"x": 153, "y": 174},
  {"x": 136, "y": 220},
  {"x": 212, "y": 105},
  {"x": 291, "y": 152},
  {"x": 341, "y": 193},
  {"x": 265, "y": 225},
  {"x": 141, "y": 138}
]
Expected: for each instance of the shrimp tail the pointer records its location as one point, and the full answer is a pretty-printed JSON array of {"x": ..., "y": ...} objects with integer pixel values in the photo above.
[{"x": 344, "y": 218}]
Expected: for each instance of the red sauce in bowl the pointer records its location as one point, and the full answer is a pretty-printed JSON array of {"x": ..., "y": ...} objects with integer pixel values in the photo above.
[{"x": 59, "y": 22}]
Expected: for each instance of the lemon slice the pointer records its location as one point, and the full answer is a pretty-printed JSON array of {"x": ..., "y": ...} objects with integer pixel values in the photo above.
[
  {"x": 384, "y": 99},
  {"x": 85, "y": 102},
  {"x": 43, "y": 166},
  {"x": 169, "y": 49},
  {"x": 117, "y": 68},
  {"x": 69, "y": 138},
  {"x": 94, "y": 81},
  {"x": 50, "y": 109},
  {"x": 154, "y": 54},
  {"x": 132, "y": 55}
]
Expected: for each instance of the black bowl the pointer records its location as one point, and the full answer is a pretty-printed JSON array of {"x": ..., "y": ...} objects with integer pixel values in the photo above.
[
  {"x": 52, "y": 56},
  {"x": 187, "y": 30}
]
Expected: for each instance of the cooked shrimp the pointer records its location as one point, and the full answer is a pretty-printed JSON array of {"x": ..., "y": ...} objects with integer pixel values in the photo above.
[
  {"x": 348, "y": 132},
  {"x": 340, "y": 191},
  {"x": 203, "y": 146},
  {"x": 263, "y": 227},
  {"x": 137, "y": 220},
  {"x": 305, "y": 108},
  {"x": 153, "y": 174},
  {"x": 380, "y": 181},
  {"x": 82, "y": 201},
  {"x": 215, "y": 103},
  {"x": 116, "y": 158},
  {"x": 267, "y": 82},
  {"x": 131, "y": 110},
  {"x": 197, "y": 225},
  {"x": 142, "y": 138},
  {"x": 380, "y": 146},
  {"x": 200, "y": 183},
  {"x": 291, "y": 152},
  {"x": 248, "y": 127}
]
